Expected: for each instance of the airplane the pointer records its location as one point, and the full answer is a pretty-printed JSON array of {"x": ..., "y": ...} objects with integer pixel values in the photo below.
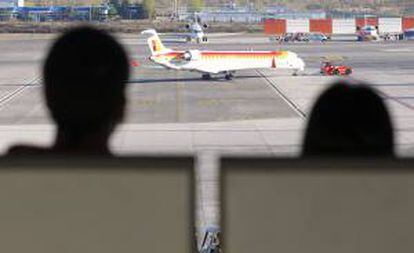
[
  {"x": 194, "y": 32},
  {"x": 220, "y": 62}
]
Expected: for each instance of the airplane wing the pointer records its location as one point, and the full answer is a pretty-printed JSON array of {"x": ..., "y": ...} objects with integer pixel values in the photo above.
[
  {"x": 220, "y": 69},
  {"x": 226, "y": 66}
]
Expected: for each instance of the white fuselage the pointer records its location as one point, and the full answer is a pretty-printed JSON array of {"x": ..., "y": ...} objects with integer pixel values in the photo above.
[{"x": 217, "y": 62}]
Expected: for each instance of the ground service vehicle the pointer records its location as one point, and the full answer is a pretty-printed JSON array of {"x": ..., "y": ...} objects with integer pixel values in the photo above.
[
  {"x": 409, "y": 34},
  {"x": 316, "y": 37},
  {"x": 330, "y": 69}
]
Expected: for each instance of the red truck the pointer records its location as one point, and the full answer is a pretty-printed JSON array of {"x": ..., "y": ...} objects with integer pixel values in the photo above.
[{"x": 330, "y": 69}]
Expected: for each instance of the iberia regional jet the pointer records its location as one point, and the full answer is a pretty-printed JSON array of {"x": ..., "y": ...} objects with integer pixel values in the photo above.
[{"x": 220, "y": 62}]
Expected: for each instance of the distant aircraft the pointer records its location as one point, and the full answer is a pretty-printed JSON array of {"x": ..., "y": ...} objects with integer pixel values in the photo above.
[
  {"x": 220, "y": 62},
  {"x": 194, "y": 32}
]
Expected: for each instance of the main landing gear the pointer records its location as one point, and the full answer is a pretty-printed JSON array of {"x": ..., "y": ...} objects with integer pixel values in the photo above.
[
  {"x": 229, "y": 75},
  {"x": 206, "y": 76},
  {"x": 297, "y": 72}
]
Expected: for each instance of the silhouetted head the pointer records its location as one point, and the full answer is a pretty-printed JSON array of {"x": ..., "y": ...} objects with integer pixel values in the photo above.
[
  {"x": 349, "y": 120},
  {"x": 85, "y": 74}
]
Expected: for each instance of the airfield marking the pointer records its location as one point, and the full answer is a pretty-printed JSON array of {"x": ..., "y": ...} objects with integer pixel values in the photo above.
[
  {"x": 397, "y": 50},
  {"x": 274, "y": 87},
  {"x": 8, "y": 97},
  {"x": 396, "y": 99}
]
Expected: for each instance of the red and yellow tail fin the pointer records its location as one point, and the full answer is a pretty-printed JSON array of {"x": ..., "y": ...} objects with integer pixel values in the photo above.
[{"x": 155, "y": 43}]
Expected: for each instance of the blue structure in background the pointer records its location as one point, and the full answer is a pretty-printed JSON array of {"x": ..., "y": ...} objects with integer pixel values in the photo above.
[
  {"x": 40, "y": 13},
  {"x": 68, "y": 13},
  {"x": 135, "y": 11},
  {"x": 249, "y": 14}
]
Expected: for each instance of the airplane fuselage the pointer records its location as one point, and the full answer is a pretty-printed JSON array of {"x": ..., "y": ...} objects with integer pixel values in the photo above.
[
  {"x": 222, "y": 61},
  {"x": 217, "y": 62}
]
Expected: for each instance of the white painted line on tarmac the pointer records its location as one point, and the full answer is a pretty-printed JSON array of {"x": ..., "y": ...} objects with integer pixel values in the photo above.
[
  {"x": 10, "y": 96},
  {"x": 290, "y": 102},
  {"x": 396, "y": 50}
]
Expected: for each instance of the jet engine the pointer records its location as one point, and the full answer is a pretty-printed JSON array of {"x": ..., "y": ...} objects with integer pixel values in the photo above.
[{"x": 191, "y": 55}]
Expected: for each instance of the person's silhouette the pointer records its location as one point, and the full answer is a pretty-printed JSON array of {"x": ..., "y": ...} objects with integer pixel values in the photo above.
[
  {"x": 84, "y": 77},
  {"x": 349, "y": 120}
]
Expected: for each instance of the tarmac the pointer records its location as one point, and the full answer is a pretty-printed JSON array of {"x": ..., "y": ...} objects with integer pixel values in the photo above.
[{"x": 260, "y": 112}]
